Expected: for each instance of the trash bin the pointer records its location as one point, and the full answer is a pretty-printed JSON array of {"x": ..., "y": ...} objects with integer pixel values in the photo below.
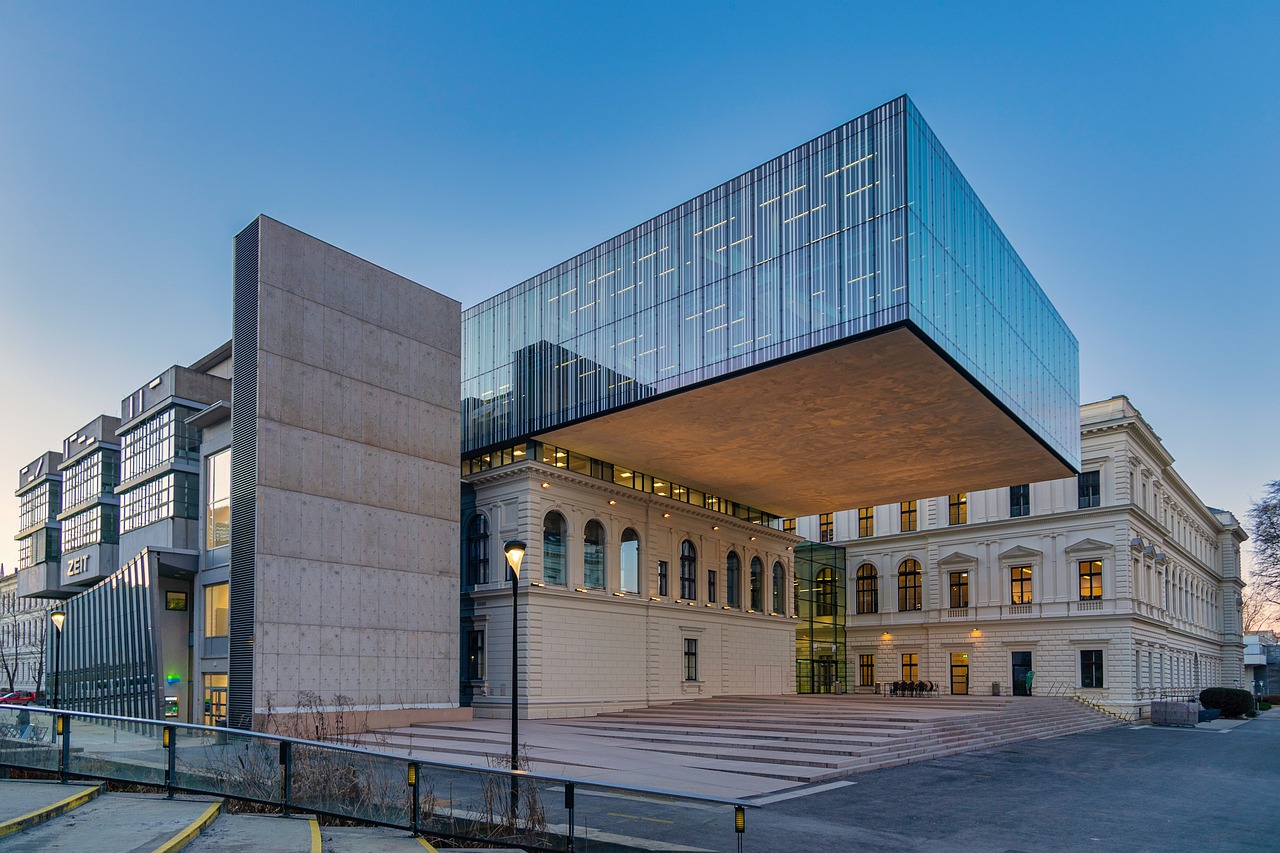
[
  {"x": 995, "y": 688},
  {"x": 838, "y": 687}
]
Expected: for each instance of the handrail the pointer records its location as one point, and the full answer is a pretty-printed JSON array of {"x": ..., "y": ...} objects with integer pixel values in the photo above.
[{"x": 223, "y": 761}]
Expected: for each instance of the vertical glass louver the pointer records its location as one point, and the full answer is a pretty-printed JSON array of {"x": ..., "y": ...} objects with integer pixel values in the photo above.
[{"x": 867, "y": 226}]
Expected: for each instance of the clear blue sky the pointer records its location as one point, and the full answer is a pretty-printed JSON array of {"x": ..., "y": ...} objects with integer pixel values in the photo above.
[{"x": 1129, "y": 151}]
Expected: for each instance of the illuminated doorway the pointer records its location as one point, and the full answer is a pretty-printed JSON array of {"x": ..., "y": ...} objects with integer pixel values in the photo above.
[
  {"x": 959, "y": 673},
  {"x": 215, "y": 699}
]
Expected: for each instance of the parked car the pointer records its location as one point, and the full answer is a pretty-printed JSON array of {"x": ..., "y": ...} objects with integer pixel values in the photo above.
[{"x": 22, "y": 697}]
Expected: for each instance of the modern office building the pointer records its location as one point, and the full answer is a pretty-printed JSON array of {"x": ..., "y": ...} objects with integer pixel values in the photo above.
[
  {"x": 842, "y": 326},
  {"x": 1117, "y": 585}
]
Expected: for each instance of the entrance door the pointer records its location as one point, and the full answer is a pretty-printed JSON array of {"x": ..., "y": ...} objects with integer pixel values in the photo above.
[
  {"x": 1021, "y": 666},
  {"x": 215, "y": 699},
  {"x": 824, "y": 674},
  {"x": 959, "y": 673}
]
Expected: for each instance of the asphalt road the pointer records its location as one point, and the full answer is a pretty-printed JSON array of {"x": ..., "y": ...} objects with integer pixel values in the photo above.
[{"x": 1126, "y": 789}]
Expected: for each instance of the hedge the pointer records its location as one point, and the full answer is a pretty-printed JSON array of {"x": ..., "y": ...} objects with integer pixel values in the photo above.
[{"x": 1231, "y": 701}]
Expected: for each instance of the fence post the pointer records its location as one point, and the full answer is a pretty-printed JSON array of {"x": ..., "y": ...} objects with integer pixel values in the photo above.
[
  {"x": 170, "y": 746},
  {"x": 413, "y": 791},
  {"x": 286, "y": 761},
  {"x": 568, "y": 804},
  {"x": 64, "y": 730}
]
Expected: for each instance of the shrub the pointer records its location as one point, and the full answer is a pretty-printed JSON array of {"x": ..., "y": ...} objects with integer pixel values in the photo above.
[
  {"x": 1232, "y": 702},
  {"x": 1251, "y": 713},
  {"x": 1264, "y": 706},
  {"x": 1272, "y": 698}
]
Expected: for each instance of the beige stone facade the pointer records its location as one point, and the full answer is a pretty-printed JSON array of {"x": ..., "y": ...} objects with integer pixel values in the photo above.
[
  {"x": 1161, "y": 617},
  {"x": 587, "y": 650}
]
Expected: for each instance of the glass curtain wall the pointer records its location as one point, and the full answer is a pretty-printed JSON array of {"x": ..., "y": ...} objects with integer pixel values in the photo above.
[{"x": 821, "y": 605}]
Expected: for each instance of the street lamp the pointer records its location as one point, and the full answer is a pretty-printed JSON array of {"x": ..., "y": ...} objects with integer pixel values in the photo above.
[
  {"x": 59, "y": 618},
  {"x": 514, "y": 549}
]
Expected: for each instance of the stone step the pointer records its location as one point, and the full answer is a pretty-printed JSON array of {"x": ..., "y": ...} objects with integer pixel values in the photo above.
[{"x": 118, "y": 823}]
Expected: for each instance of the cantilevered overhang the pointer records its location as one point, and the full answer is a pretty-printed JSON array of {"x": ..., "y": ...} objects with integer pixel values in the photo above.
[{"x": 877, "y": 420}]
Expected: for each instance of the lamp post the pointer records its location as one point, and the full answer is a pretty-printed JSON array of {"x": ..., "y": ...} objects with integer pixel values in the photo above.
[
  {"x": 59, "y": 618},
  {"x": 514, "y": 549}
]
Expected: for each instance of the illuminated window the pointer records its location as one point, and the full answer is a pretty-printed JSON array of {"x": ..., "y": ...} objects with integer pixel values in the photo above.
[
  {"x": 911, "y": 667},
  {"x": 1019, "y": 501},
  {"x": 216, "y": 610},
  {"x": 1020, "y": 585},
  {"x": 826, "y": 527},
  {"x": 868, "y": 591},
  {"x": 907, "y": 515},
  {"x": 478, "y": 550},
  {"x": 789, "y": 525},
  {"x": 688, "y": 571},
  {"x": 867, "y": 521},
  {"x": 959, "y": 504},
  {"x": 909, "y": 585},
  {"x": 959, "y": 589},
  {"x": 1090, "y": 580},
  {"x": 217, "y": 520},
  {"x": 475, "y": 654},
  {"x": 866, "y": 670},
  {"x": 825, "y": 592}
]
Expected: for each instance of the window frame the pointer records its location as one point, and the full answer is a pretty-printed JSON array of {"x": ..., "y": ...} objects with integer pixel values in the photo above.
[
  {"x": 908, "y": 516},
  {"x": 958, "y": 588},
  {"x": 910, "y": 586},
  {"x": 1089, "y": 489},
  {"x": 1093, "y": 577},
  {"x": 958, "y": 508},
  {"x": 690, "y": 659},
  {"x": 866, "y": 522},
  {"x": 688, "y": 571},
  {"x": 1020, "y": 501},
  {"x": 1021, "y": 585},
  {"x": 1093, "y": 671},
  {"x": 866, "y": 589}
]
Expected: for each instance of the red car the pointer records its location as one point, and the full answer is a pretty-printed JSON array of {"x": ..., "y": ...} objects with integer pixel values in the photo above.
[{"x": 21, "y": 697}]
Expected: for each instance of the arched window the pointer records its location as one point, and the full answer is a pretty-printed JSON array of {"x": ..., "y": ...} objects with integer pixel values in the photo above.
[
  {"x": 733, "y": 579},
  {"x": 477, "y": 553},
  {"x": 825, "y": 592},
  {"x": 688, "y": 571},
  {"x": 868, "y": 592},
  {"x": 757, "y": 584},
  {"x": 909, "y": 585},
  {"x": 629, "y": 560},
  {"x": 779, "y": 589},
  {"x": 553, "y": 556},
  {"x": 593, "y": 555}
]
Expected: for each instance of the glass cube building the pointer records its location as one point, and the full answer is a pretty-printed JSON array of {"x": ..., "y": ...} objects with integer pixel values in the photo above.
[{"x": 859, "y": 275}]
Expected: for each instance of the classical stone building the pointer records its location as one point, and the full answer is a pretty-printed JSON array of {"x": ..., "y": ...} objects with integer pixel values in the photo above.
[{"x": 1118, "y": 585}]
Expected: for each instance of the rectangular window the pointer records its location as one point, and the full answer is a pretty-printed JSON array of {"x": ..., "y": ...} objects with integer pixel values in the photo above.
[
  {"x": 1020, "y": 585},
  {"x": 475, "y": 655},
  {"x": 1089, "y": 484},
  {"x": 662, "y": 577},
  {"x": 866, "y": 670},
  {"x": 1091, "y": 668},
  {"x": 1090, "y": 580},
  {"x": 789, "y": 525},
  {"x": 867, "y": 521},
  {"x": 215, "y": 610},
  {"x": 826, "y": 527},
  {"x": 959, "y": 505},
  {"x": 217, "y": 523},
  {"x": 911, "y": 667},
  {"x": 690, "y": 660},
  {"x": 907, "y": 515},
  {"x": 1019, "y": 501},
  {"x": 711, "y": 586},
  {"x": 959, "y": 589}
]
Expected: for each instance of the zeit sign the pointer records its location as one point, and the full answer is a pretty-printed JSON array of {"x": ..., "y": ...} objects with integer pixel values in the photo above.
[{"x": 78, "y": 566}]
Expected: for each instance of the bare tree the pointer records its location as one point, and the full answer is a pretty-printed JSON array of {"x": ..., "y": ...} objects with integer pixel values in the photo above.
[
  {"x": 1260, "y": 612},
  {"x": 1264, "y": 517},
  {"x": 9, "y": 643}
]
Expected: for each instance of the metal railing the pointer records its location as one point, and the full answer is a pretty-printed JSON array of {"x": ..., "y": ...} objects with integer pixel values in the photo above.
[{"x": 533, "y": 811}]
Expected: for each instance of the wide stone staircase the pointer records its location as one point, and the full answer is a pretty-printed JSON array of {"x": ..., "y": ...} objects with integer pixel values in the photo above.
[{"x": 780, "y": 741}]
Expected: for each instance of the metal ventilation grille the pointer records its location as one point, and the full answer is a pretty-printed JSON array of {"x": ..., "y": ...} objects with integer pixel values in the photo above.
[{"x": 244, "y": 477}]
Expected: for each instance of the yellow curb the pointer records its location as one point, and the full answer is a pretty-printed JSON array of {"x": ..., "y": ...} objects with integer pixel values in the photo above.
[
  {"x": 39, "y": 816},
  {"x": 424, "y": 843},
  {"x": 315, "y": 835},
  {"x": 183, "y": 838}
]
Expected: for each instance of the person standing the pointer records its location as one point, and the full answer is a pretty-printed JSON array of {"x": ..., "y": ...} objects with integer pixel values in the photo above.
[{"x": 1031, "y": 676}]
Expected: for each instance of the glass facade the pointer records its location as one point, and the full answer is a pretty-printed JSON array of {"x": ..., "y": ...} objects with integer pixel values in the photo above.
[
  {"x": 821, "y": 605},
  {"x": 217, "y": 522},
  {"x": 173, "y": 495},
  {"x": 97, "y": 524},
  {"x": 867, "y": 226},
  {"x": 39, "y": 505},
  {"x": 162, "y": 439},
  {"x": 90, "y": 477}
]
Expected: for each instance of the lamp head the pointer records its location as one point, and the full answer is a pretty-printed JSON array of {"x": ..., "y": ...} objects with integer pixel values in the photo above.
[
  {"x": 59, "y": 617},
  {"x": 514, "y": 550}
]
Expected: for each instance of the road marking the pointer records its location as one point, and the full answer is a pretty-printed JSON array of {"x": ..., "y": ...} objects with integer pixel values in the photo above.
[
  {"x": 791, "y": 795},
  {"x": 640, "y": 817}
]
